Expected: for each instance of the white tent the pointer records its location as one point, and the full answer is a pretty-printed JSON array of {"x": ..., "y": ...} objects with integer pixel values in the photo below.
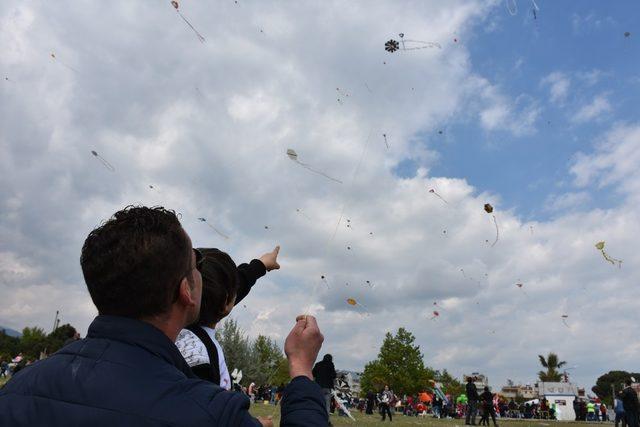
[{"x": 562, "y": 395}]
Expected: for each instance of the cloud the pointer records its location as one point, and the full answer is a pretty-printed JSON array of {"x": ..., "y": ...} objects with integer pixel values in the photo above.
[
  {"x": 208, "y": 126},
  {"x": 593, "y": 111},
  {"x": 498, "y": 112},
  {"x": 567, "y": 201},
  {"x": 614, "y": 162},
  {"x": 558, "y": 84}
]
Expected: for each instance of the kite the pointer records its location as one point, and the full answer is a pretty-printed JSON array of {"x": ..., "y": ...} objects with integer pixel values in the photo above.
[
  {"x": 627, "y": 34},
  {"x": 564, "y": 320},
  {"x": 324, "y": 280},
  {"x": 348, "y": 223},
  {"x": 463, "y": 275},
  {"x": 512, "y": 7},
  {"x": 393, "y": 45},
  {"x": 294, "y": 156},
  {"x": 175, "y": 4},
  {"x": 342, "y": 95},
  {"x": 432, "y": 191},
  {"x": 435, "y": 315},
  {"x": 104, "y": 161},
  {"x": 303, "y": 214},
  {"x": 384, "y": 135},
  {"x": 224, "y": 236},
  {"x": 369, "y": 284},
  {"x": 489, "y": 209},
  {"x": 348, "y": 248},
  {"x": 600, "y": 247},
  {"x": 520, "y": 285},
  {"x": 53, "y": 55},
  {"x": 340, "y": 404},
  {"x": 353, "y": 302}
]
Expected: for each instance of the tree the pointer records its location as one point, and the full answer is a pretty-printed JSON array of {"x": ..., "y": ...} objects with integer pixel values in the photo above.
[
  {"x": 235, "y": 346},
  {"x": 33, "y": 342},
  {"x": 57, "y": 338},
  {"x": 552, "y": 364},
  {"x": 266, "y": 358},
  {"x": 399, "y": 365},
  {"x": 604, "y": 383},
  {"x": 450, "y": 385},
  {"x": 261, "y": 360},
  {"x": 9, "y": 346}
]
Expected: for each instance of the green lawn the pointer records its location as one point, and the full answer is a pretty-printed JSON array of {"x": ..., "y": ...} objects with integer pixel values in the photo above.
[{"x": 259, "y": 410}]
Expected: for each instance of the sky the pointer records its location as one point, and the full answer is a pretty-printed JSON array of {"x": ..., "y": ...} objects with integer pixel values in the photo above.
[{"x": 535, "y": 115}]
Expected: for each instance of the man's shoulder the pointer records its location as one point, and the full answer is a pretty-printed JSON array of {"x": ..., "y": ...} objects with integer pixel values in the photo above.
[{"x": 157, "y": 391}]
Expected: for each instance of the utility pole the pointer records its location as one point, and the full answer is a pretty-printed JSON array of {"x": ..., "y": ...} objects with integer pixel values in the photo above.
[
  {"x": 613, "y": 395},
  {"x": 56, "y": 321}
]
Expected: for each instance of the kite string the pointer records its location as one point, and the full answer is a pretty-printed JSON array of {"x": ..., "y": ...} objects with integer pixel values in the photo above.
[
  {"x": 335, "y": 231},
  {"x": 306, "y": 166}
]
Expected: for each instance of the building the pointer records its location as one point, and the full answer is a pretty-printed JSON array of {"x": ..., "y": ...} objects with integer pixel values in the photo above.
[
  {"x": 481, "y": 380},
  {"x": 562, "y": 394},
  {"x": 514, "y": 391}
]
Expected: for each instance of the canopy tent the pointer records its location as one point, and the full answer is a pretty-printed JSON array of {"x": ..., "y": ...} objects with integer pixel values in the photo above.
[{"x": 425, "y": 397}]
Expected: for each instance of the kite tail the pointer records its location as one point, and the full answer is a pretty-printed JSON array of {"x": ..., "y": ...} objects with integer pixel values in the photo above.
[
  {"x": 440, "y": 197},
  {"x": 497, "y": 231},
  {"x": 106, "y": 164},
  {"x": 224, "y": 236},
  {"x": 612, "y": 260},
  {"x": 194, "y": 30}
]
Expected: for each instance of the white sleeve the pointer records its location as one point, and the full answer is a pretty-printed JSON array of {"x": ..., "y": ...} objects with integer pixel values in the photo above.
[{"x": 191, "y": 348}]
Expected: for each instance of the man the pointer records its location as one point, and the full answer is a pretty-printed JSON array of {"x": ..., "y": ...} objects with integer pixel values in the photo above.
[
  {"x": 487, "y": 406},
  {"x": 472, "y": 406},
  {"x": 619, "y": 410},
  {"x": 386, "y": 400},
  {"x": 629, "y": 399},
  {"x": 324, "y": 373},
  {"x": 141, "y": 272}
]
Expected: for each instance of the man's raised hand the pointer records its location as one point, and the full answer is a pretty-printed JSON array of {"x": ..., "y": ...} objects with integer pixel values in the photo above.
[
  {"x": 270, "y": 259},
  {"x": 302, "y": 346}
]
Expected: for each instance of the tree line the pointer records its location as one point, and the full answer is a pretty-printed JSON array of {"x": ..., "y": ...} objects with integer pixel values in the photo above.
[{"x": 34, "y": 342}]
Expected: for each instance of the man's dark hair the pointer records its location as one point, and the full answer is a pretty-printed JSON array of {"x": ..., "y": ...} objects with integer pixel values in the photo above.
[
  {"x": 327, "y": 358},
  {"x": 220, "y": 284},
  {"x": 134, "y": 262}
]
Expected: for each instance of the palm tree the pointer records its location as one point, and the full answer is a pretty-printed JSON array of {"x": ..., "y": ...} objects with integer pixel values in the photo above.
[{"x": 552, "y": 364}]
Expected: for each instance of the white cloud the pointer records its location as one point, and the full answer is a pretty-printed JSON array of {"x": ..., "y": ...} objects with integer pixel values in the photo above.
[
  {"x": 593, "y": 111},
  {"x": 218, "y": 151},
  {"x": 558, "y": 84},
  {"x": 497, "y": 112},
  {"x": 567, "y": 201},
  {"x": 614, "y": 163}
]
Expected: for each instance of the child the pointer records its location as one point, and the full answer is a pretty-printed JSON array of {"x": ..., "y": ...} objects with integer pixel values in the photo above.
[{"x": 223, "y": 286}]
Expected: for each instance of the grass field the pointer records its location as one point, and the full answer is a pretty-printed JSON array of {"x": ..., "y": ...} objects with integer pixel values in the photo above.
[{"x": 259, "y": 410}]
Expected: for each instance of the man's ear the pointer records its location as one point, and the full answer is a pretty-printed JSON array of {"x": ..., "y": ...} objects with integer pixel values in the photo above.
[{"x": 186, "y": 295}]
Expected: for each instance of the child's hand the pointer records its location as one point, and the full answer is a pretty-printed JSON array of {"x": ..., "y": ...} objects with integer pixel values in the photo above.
[{"x": 270, "y": 259}]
